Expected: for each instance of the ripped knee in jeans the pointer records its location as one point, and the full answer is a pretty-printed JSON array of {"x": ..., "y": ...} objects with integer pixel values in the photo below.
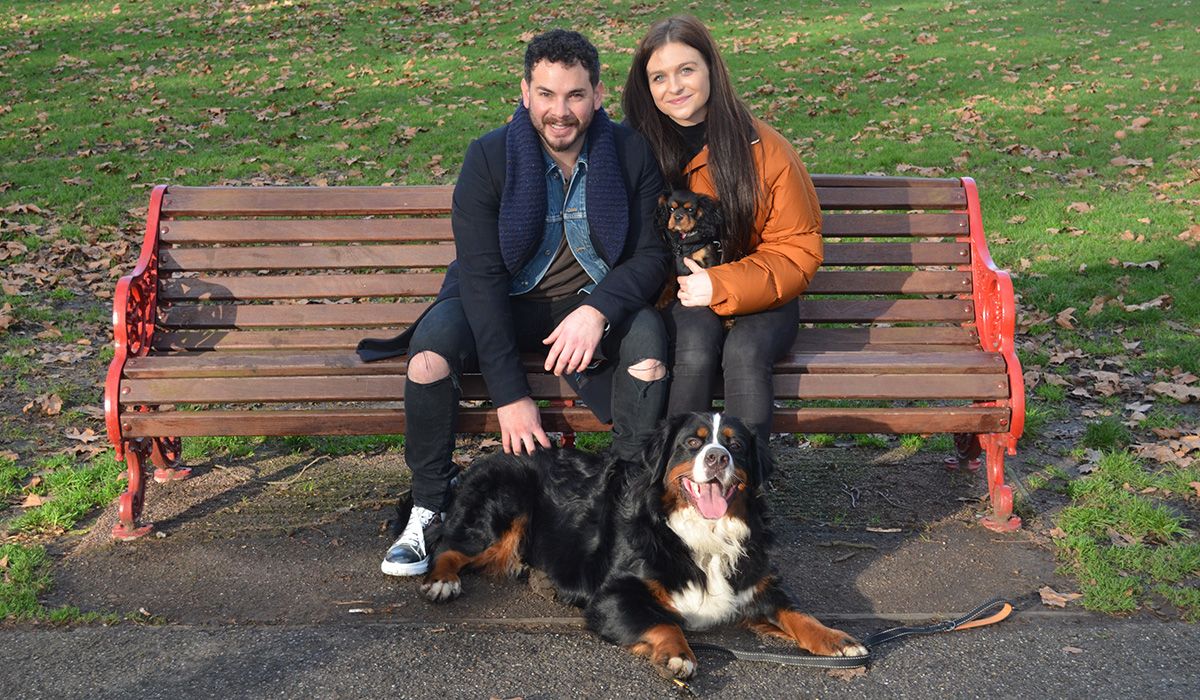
[{"x": 648, "y": 370}]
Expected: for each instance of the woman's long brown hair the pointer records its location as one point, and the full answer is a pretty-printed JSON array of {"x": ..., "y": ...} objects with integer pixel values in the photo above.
[{"x": 728, "y": 126}]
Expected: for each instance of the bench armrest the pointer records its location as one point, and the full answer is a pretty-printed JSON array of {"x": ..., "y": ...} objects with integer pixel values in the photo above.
[
  {"x": 135, "y": 305},
  {"x": 995, "y": 312}
]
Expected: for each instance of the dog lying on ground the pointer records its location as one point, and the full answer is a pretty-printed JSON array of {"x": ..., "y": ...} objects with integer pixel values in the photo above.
[
  {"x": 690, "y": 224},
  {"x": 678, "y": 541}
]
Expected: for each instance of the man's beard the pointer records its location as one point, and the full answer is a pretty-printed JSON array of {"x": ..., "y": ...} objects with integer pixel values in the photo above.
[{"x": 557, "y": 144}]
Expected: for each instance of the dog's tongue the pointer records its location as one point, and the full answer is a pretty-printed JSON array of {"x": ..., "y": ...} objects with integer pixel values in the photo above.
[{"x": 711, "y": 500}]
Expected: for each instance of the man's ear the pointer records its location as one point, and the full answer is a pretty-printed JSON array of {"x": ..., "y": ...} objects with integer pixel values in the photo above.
[
  {"x": 598, "y": 99},
  {"x": 525, "y": 93}
]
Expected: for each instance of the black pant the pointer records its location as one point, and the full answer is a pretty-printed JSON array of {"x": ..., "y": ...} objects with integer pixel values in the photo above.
[
  {"x": 431, "y": 409},
  {"x": 700, "y": 347}
]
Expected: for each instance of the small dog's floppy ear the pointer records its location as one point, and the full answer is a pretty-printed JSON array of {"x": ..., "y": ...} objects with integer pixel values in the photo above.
[{"x": 662, "y": 199}]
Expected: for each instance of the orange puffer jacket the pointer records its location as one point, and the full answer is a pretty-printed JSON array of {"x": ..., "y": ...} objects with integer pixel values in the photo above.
[{"x": 787, "y": 248}]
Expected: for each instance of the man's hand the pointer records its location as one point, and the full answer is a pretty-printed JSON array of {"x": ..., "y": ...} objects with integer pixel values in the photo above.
[
  {"x": 521, "y": 427},
  {"x": 695, "y": 289},
  {"x": 574, "y": 341}
]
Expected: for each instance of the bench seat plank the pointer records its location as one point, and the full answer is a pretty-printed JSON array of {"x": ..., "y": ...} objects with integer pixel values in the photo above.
[
  {"x": 324, "y": 257},
  {"x": 265, "y": 287},
  {"x": 325, "y": 388},
  {"x": 292, "y": 315},
  {"x": 381, "y": 421},
  {"x": 916, "y": 338},
  {"x": 336, "y": 363}
]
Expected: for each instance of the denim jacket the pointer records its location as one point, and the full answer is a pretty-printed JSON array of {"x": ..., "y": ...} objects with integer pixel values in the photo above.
[{"x": 566, "y": 213}]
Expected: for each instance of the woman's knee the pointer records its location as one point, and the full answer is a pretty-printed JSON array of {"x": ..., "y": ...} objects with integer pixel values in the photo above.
[{"x": 427, "y": 367}]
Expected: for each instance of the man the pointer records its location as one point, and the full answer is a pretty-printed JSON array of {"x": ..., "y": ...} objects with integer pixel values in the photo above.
[{"x": 556, "y": 252}]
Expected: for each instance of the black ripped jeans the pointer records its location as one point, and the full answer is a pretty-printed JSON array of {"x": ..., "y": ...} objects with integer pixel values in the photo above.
[
  {"x": 700, "y": 349},
  {"x": 431, "y": 409}
]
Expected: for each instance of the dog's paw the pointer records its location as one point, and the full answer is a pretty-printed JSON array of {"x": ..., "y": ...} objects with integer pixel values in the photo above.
[
  {"x": 851, "y": 647},
  {"x": 442, "y": 591},
  {"x": 681, "y": 667},
  {"x": 838, "y": 643}
]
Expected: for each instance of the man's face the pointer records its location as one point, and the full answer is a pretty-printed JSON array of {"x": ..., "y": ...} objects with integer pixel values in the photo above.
[{"x": 561, "y": 103}]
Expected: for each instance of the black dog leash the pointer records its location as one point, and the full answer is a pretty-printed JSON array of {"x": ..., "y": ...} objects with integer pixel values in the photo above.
[{"x": 989, "y": 613}]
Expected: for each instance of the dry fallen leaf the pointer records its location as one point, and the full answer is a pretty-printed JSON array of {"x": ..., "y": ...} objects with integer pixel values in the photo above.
[
  {"x": 1080, "y": 207},
  {"x": 32, "y": 501},
  {"x": 84, "y": 436},
  {"x": 1054, "y": 598}
]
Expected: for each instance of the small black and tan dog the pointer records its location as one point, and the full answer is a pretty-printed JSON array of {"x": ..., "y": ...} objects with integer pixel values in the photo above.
[
  {"x": 690, "y": 224},
  {"x": 676, "y": 541}
]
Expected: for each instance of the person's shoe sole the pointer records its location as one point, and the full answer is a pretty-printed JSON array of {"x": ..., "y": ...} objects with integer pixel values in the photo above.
[{"x": 395, "y": 569}]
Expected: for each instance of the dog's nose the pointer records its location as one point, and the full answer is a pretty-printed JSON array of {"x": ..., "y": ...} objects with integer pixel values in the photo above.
[{"x": 716, "y": 459}]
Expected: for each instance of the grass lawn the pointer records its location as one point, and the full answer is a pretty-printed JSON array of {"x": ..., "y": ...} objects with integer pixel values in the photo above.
[{"x": 1077, "y": 119}]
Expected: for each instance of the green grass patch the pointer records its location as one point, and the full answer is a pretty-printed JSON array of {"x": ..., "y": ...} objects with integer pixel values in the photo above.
[
  {"x": 593, "y": 442},
  {"x": 1124, "y": 540},
  {"x": 24, "y": 576},
  {"x": 72, "y": 490},
  {"x": 1107, "y": 433},
  {"x": 339, "y": 445},
  {"x": 198, "y": 449}
]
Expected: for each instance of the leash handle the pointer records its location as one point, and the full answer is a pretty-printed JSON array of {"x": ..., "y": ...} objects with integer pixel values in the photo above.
[{"x": 989, "y": 613}]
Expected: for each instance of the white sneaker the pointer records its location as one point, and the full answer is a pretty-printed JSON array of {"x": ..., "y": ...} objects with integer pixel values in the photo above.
[{"x": 409, "y": 555}]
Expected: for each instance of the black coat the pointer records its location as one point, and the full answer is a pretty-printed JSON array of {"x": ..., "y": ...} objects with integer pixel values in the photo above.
[{"x": 479, "y": 277}]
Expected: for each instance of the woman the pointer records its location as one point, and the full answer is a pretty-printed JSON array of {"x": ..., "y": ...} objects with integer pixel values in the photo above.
[{"x": 680, "y": 97}]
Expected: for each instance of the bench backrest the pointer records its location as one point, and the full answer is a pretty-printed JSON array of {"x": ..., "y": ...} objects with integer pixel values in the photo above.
[{"x": 277, "y": 268}]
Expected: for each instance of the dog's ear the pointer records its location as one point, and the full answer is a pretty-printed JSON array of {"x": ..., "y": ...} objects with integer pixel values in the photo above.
[
  {"x": 659, "y": 448},
  {"x": 763, "y": 462},
  {"x": 662, "y": 199}
]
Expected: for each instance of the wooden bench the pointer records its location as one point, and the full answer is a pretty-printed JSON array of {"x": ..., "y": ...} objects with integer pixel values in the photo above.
[{"x": 243, "y": 311}]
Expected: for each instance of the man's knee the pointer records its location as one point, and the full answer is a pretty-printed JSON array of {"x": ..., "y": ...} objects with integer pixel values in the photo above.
[
  {"x": 650, "y": 370},
  {"x": 427, "y": 367}
]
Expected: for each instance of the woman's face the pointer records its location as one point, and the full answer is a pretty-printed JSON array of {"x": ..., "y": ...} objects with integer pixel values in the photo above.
[{"x": 678, "y": 79}]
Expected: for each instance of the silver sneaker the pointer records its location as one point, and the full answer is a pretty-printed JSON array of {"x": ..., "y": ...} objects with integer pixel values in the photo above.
[{"x": 409, "y": 554}]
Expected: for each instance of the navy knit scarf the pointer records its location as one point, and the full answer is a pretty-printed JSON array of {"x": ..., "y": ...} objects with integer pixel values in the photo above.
[{"x": 523, "y": 202}]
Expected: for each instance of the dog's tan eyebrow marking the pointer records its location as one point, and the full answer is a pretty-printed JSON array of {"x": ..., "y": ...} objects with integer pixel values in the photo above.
[
  {"x": 702, "y": 432},
  {"x": 727, "y": 432}
]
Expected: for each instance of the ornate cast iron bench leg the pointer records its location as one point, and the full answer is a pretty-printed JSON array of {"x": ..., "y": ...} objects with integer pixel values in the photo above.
[
  {"x": 129, "y": 504},
  {"x": 165, "y": 453},
  {"x": 1001, "y": 518}
]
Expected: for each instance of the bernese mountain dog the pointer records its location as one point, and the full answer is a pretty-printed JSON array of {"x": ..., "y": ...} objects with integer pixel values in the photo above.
[{"x": 647, "y": 549}]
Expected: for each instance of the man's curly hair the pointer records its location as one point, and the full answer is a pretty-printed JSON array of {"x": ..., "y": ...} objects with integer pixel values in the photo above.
[{"x": 565, "y": 47}]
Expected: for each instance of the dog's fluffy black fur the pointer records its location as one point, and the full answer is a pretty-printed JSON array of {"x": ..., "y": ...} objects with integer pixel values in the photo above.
[{"x": 648, "y": 549}]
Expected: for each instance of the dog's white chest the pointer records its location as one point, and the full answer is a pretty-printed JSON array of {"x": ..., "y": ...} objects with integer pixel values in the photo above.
[{"x": 716, "y": 547}]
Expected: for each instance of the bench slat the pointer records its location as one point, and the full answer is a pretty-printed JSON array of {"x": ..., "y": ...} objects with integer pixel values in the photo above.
[
  {"x": 402, "y": 313},
  {"x": 292, "y": 315},
  {"x": 305, "y": 201},
  {"x": 305, "y": 257},
  {"x": 943, "y": 338},
  {"x": 884, "y": 282},
  {"x": 892, "y": 197},
  {"x": 875, "y": 224},
  {"x": 333, "y": 363},
  {"x": 323, "y": 257},
  {"x": 391, "y": 388},
  {"x": 235, "y": 231},
  {"x": 263, "y": 287},
  {"x": 885, "y": 310},
  {"x": 897, "y": 254},
  {"x": 960, "y": 419}
]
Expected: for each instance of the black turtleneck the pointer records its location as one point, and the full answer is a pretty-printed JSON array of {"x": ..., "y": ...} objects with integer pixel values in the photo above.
[{"x": 694, "y": 137}]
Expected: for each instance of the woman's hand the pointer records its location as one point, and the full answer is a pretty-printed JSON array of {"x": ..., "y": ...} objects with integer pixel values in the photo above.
[{"x": 695, "y": 289}]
